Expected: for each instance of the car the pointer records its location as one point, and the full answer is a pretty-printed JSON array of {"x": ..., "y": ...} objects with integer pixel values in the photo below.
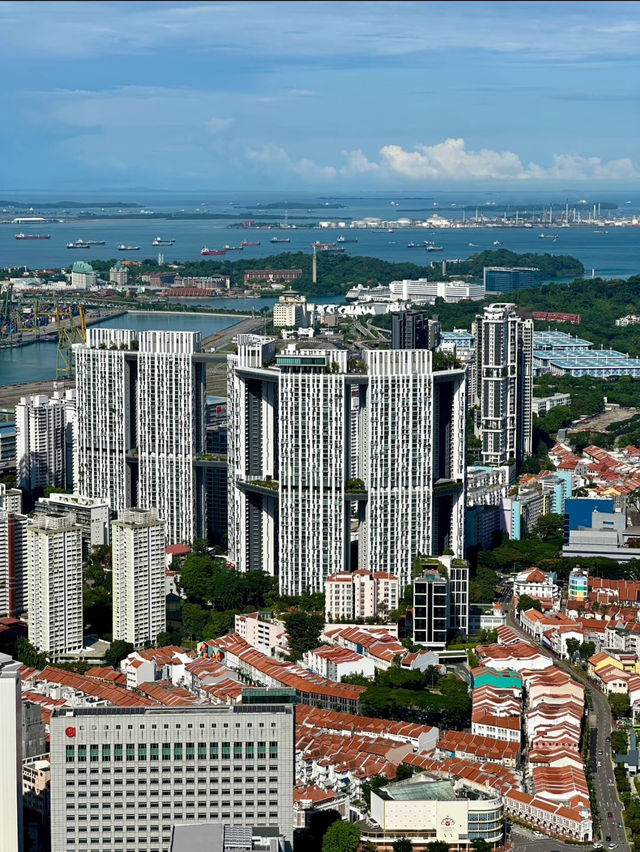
[
  {"x": 613, "y": 846},
  {"x": 610, "y": 815},
  {"x": 608, "y": 739},
  {"x": 538, "y": 834},
  {"x": 599, "y": 764}
]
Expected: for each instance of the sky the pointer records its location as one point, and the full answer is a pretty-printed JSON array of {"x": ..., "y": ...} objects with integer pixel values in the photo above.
[{"x": 325, "y": 96}]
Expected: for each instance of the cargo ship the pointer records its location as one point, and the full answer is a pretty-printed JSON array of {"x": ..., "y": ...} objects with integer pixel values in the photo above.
[
  {"x": 122, "y": 247},
  {"x": 96, "y": 242},
  {"x": 435, "y": 248},
  {"x": 246, "y": 243},
  {"x": 280, "y": 239},
  {"x": 78, "y": 245},
  {"x": 208, "y": 251},
  {"x": 160, "y": 242},
  {"x": 33, "y": 236},
  {"x": 347, "y": 239}
]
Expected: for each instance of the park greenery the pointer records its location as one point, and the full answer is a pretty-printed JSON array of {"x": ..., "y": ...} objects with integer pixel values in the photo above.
[
  {"x": 341, "y": 837},
  {"x": 426, "y": 697}
]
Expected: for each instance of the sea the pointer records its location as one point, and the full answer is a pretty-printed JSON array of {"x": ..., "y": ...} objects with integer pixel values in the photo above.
[{"x": 607, "y": 252}]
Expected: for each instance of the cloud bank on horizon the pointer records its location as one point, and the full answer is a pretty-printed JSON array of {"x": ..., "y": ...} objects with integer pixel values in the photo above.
[{"x": 180, "y": 94}]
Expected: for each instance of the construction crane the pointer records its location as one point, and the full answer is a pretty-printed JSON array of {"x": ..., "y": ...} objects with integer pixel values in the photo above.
[{"x": 65, "y": 365}]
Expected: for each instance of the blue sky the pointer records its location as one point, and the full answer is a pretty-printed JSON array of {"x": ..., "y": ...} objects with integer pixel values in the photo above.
[{"x": 320, "y": 95}]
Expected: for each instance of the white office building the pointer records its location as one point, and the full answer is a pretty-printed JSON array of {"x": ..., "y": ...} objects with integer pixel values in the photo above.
[
  {"x": 138, "y": 565},
  {"x": 121, "y": 778},
  {"x": 11, "y": 834},
  {"x": 54, "y": 569},
  {"x": 83, "y": 276},
  {"x": 44, "y": 429},
  {"x": 331, "y": 464},
  {"x": 504, "y": 384},
  {"x": 13, "y": 564},
  {"x": 140, "y": 427},
  {"x": 290, "y": 311},
  {"x": 118, "y": 274}
]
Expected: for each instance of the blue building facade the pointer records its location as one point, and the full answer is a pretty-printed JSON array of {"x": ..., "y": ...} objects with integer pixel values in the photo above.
[{"x": 578, "y": 510}]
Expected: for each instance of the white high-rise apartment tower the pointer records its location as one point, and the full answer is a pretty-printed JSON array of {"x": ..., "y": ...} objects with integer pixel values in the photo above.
[
  {"x": 324, "y": 452},
  {"x": 122, "y": 777},
  {"x": 140, "y": 426},
  {"x": 11, "y": 835},
  {"x": 44, "y": 431},
  {"x": 138, "y": 566},
  {"x": 504, "y": 384},
  {"x": 54, "y": 569}
]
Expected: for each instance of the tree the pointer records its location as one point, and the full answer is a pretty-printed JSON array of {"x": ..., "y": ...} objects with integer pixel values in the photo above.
[
  {"x": 369, "y": 846},
  {"x": 341, "y": 837},
  {"x": 374, "y": 783},
  {"x": 162, "y": 639},
  {"x": 29, "y": 654},
  {"x": 525, "y": 602},
  {"x": 481, "y": 845},
  {"x": 587, "y": 649},
  {"x": 403, "y": 844},
  {"x": 620, "y": 706},
  {"x": 437, "y": 846},
  {"x": 117, "y": 652},
  {"x": 549, "y": 527},
  {"x": 403, "y": 772},
  {"x": 573, "y": 647},
  {"x": 304, "y": 632}
]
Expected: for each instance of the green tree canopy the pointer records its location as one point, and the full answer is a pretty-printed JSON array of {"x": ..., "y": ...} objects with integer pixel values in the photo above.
[
  {"x": 620, "y": 706},
  {"x": 549, "y": 527},
  {"x": 341, "y": 837},
  {"x": 437, "y": 846},
  {"x": 402, "y": 844},
  {"x": 29, "y": 654},
  {"x": 573, "y": 647},
  {"x": 481, "y": 845},
  {"x": 117, "y": 652},
  {"x": 304, "y": 632},
  {"x": 525, "y": 602},
  {"x": 587, "y": 649}
]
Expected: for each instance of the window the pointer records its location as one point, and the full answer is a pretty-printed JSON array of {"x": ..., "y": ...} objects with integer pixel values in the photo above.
[
  {"x": 177, "y": 751},
  {"x": 190, "y": 751},
  {"x": 237, "y": 751},
  {"x": 213, "y": 751},
  {"x": 262, "y": 750},
  {"x": 273, "y": 750},
  {"x": 117, "y": 752},
  {"x": 202, "y": 751},
  {"x": 70, "y": 752},
  {"x": 166, "y": 751},
  {"x": 131, "y": 751},
  {"x": 142, "y": 751},
  {"x": 154, "y": 751},
  {"x": 106, "y": 753},
  {"x": 226, "y": 751},
  {"x": 82, "y": 753},
  {"x": 94, "y": 755}
]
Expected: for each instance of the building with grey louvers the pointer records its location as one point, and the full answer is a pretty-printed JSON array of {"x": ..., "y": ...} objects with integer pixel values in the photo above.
[{"x": 121, "y": 778}]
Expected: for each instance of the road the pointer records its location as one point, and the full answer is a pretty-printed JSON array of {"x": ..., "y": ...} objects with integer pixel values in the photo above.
[
  {"x": 523, "y": 840},
  {"x": 603, "y": 777}
]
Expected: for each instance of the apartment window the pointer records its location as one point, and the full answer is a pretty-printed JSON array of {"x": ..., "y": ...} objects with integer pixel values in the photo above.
[
  {"x": 262, "y": 751},
  {"x": 106, "y": 753},
  {"x": 142, "y": 751},
  {"x": 237, "y": 751},
  {"x": 117, "y": 752},
  {"x": 202, "y": 751},
  {"x": 273, "y": 751},
  {"x": 82, "y": 753},
  {"x": 70, "y": 753}
]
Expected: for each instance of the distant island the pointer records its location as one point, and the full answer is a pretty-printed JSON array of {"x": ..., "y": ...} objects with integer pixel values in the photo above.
[{"x": 67, "y": 205}]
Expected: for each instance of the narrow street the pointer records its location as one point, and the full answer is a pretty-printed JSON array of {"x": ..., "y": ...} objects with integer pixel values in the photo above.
[{"x": 600, "y": 756}]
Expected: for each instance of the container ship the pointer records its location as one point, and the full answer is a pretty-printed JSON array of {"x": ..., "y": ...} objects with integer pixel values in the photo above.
[
  {"x": 207, "y": 251},
  {"x": 33, "y": 236}
]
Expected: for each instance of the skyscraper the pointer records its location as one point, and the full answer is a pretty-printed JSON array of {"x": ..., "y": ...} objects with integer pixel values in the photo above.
[
  {"x": 13, "y": 564},
  {"x": 441, "y": 601},
  {"x": 44, "y": 431},
  {"x": 11, "y": 835},
  {"x": 54, "y": 568},
  {"x": 335, "y": 464},
  {"x": 414, "y": 330},
  {"x": 141, "y": 399},
  {"x": 138, "y": 565},
  {"x": 232, "y": 765},
  {"x": 504, "y": 384}
]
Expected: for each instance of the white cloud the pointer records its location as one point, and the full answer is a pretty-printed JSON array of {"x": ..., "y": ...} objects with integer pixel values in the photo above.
[
  {"x": 276, "y": 160},
  {"x": 218, "y": 125},
  {"x": 452, "y": 161}
]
